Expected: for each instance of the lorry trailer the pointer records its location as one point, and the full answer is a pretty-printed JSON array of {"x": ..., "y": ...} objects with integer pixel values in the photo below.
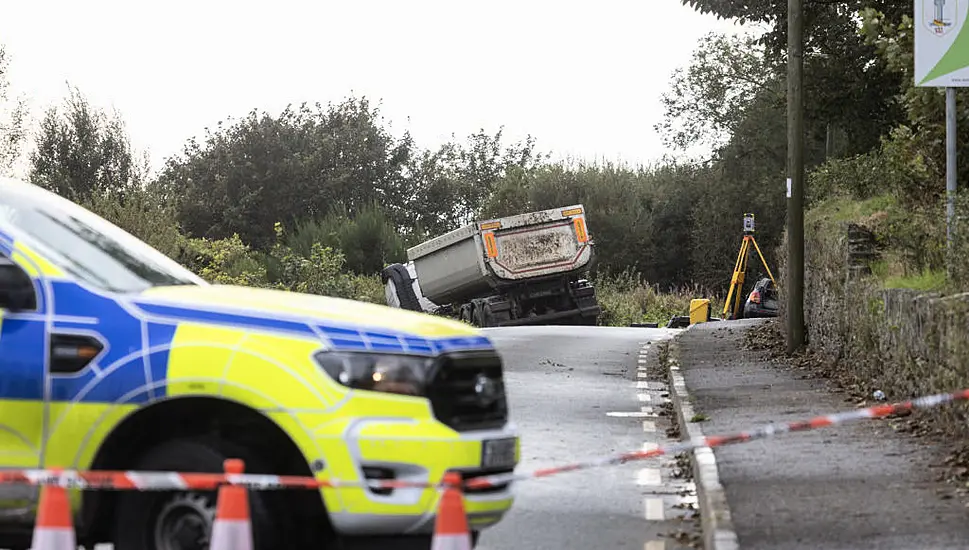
[{"x": 526, "y": 269}]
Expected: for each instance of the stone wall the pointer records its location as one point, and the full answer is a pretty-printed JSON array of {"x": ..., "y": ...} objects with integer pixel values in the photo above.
[{"x": 900, "y": 341}]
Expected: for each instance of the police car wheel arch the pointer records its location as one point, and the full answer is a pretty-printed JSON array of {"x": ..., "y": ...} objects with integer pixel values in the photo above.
[{"x": 136, "y": 513}]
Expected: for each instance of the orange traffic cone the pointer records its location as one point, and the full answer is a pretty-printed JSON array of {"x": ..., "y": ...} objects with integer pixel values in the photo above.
[
  {"x": 451, "y": 525},
  {"x": 54, "y": 529},
  {"x": 232, "y": 529}
]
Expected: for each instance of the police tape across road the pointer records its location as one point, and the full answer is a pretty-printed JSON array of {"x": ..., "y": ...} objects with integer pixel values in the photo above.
[{"x": 167, "y": 481}]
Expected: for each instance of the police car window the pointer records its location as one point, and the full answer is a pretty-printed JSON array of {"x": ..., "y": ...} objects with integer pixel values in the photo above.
[{"x": 91, "y": 250}]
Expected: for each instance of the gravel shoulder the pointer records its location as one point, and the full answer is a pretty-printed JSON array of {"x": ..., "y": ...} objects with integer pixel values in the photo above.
[{"x": 855, "y": 486}]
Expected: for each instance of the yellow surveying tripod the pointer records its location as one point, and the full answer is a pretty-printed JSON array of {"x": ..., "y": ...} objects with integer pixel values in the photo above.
[{"x": 740, "y": 268}]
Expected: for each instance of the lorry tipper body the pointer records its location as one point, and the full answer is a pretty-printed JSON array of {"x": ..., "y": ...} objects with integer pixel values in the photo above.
[{"x": 516, "y": 270}]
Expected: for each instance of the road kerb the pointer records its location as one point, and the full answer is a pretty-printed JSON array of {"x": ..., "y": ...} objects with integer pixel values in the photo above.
[{"x": 718, "y": 531}]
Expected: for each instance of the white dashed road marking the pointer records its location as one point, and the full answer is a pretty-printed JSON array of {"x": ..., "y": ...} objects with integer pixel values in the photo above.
[
  {"x": 649, "y": 476},
  {"x": 631, "y": 414},
  {"x": 654, "y": 509}
]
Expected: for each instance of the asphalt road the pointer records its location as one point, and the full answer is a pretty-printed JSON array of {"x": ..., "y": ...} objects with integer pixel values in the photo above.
[
  {"x": 578, "y": 393},
  {"x": 563, "y": 383}
]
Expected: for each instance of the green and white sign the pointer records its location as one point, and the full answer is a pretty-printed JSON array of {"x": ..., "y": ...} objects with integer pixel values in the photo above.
[{"x": 942, "y": 43}]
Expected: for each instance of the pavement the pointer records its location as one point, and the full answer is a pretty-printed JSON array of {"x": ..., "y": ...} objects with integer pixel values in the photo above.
[
  {"x": 578, "y": 393},
  {"x": 854, "y": 486}
]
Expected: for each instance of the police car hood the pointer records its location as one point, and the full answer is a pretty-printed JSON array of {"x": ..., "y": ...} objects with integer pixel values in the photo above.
[{"x": 267, "y": 308}]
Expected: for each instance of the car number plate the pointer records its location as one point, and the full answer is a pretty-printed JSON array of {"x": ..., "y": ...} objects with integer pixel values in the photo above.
[{"x": 498, "y": 453}]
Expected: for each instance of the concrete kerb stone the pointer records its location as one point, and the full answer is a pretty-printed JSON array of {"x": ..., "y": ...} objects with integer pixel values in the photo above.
[{"x": 718, "y": 531}]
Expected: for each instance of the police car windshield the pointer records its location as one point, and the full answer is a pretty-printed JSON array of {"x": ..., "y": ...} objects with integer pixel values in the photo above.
[{"x": 85, "y": 245}]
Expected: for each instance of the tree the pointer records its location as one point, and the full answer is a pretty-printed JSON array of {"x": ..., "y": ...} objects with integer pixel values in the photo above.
[
  {"x": 848, "y": 90},
  {"x": 368, "y": 240},
  {"x": 457, "y": 183},
  {"x": 709, "y": 99},
  {"x": 13, "y": 116},
  {"x": 249, "y": 174},
  {"x": 482, "y": 163},
  {"x": 83, "y": 152}
]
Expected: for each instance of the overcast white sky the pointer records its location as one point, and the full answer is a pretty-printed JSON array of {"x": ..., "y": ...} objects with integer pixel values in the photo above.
[{"x": 584, "y": 78}]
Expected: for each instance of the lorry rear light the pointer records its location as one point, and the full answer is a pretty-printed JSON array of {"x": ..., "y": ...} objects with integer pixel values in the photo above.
[
  {"x": 580, "y": 232},
  {"x": 491, "y": 245}
]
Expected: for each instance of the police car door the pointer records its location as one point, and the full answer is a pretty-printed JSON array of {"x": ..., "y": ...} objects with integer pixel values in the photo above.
[{"x": 23, "y": 352}]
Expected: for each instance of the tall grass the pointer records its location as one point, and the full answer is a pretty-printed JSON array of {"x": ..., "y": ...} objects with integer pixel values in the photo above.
[{"x": 626, "y": 298}]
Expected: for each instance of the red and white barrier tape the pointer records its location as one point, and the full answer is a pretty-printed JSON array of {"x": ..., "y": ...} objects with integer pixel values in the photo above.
[
  {"x": 767, "y": 430},
  {"x": 167, "y": 481}
]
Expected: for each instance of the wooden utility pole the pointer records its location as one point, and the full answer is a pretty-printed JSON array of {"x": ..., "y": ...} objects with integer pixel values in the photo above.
[{"x": 795, "y": 182}]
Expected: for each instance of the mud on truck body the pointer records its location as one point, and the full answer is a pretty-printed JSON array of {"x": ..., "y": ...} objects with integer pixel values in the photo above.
[{"x": 518, "y": 270}]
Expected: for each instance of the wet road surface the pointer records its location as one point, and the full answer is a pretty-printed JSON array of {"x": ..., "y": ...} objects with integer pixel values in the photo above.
[{"x": 577, "y": 393}]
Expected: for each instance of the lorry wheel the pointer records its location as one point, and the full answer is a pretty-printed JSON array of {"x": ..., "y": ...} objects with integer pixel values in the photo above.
[
  {"x": 464, "y": 313},
  {"x": 496, "y": 312},
  {"x": 398, "y": 276},
  {"x": 163, "y": 520},
  {"x": 478, "y": 314}
]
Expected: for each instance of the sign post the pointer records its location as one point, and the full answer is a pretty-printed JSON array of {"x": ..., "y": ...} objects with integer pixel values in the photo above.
[{"x": 942, "y": 61}]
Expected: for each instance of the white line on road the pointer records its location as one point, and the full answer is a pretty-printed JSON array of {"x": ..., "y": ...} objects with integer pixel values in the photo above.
[
  {"x": 649, "y": 476},
  {"x": 642, "y": 374},
  {"x": 642, "y": 385},
  {"x": 649, "y": 426},
  {"x": 655, "y": 545},
  {"x": 650, "y": 446},
  {"x": 644, "y": 397},
  {"x": 654, "y": 509},
  {"x": 631, "y": 414}
]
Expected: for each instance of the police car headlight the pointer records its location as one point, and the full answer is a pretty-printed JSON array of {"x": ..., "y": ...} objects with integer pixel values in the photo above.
[{"x": 401, "y": 374}]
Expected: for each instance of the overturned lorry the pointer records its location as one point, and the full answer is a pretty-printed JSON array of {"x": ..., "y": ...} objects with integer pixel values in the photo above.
[{"x": 527, "y": 269}]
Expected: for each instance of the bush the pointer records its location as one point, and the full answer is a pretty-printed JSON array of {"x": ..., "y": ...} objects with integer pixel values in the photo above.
[
  {"x": 225, "y": 262},
  {"x": 230, "y": 261},
  {"x": 368, "y": 241},
  {"x": 143, "y": 214},
  {"x": 627, "y": 298},
  {"x": 899, "y": 167},
  {"x": 322, "y": 272}
]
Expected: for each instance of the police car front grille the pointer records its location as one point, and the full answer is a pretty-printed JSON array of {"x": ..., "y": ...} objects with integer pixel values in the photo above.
[{"x": 453, "y": 396}]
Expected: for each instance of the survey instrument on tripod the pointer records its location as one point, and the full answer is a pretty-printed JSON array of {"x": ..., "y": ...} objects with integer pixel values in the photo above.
[{"x": 740, "y": 269}]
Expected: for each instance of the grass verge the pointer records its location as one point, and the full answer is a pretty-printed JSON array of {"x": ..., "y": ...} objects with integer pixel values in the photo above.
[{"x": 628, "y": 298}]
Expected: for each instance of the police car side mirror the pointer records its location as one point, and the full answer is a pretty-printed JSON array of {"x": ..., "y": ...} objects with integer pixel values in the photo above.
[{"x": 16, "y": 288}]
